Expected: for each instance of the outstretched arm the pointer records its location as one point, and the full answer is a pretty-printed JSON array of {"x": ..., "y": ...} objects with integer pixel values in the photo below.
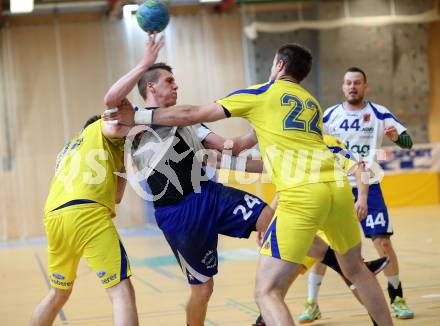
[
  {"x": 236, "y": 145},
  {"x": 180, "y": 115},
  {"x": 186, "y": 115},
  {"x": 237, "y": 104},
  {"x": 244, "y": 142},
  {"x": 126, "y": 83}
]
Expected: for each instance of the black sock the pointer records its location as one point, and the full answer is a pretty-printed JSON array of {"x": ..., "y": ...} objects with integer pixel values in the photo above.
[
  {"x": 331, "y": 261},
  {"x": 393, "y": 293}
]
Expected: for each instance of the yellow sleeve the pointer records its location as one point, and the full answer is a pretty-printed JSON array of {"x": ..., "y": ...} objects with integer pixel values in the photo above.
[
  {"x": 346, "y": 160},
  {"x": 349, "y": 165},
  {"x": 241, "y": 102}
]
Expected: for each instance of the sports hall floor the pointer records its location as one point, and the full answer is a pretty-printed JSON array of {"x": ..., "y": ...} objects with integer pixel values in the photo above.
[{"x": 161, "y": 289}]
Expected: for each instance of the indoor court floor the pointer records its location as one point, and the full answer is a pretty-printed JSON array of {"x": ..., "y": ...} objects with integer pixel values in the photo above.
[{"x": 161, "y": 289}]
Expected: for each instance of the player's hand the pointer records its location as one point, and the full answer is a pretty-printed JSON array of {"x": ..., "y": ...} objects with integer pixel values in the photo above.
[
  {"x": 361, "y": 208},
  {"x": 152, "y": 48},
  {"x": 391, "y": 133},
  {"x": 259, "y": 238},
  {"x": 123, "y": 114}
]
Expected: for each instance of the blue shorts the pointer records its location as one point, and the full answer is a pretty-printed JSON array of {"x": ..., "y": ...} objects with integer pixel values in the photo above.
[
  {"x": 377, "y": 221},
  {"x": 192, "y": 226}
]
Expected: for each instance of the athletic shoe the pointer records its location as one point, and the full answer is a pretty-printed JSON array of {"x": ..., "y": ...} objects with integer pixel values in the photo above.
[
  {"x": 378, "y": 265},
  {"x": 310, "y": 314},
  {"x": 260, "y": 321},
  {"x": 400, "y": 310}
]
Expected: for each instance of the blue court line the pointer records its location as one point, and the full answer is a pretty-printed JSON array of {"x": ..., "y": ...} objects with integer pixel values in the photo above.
[
  {"x": 210, "y": 322},
  {"x": 23, "y": 243},
  {"x": 137, "y": 278},
  {"x": 238, "y": 254},
  {"x": 167, "y": 274},
  {"x": 168, "y": 260},
  {"x": 125, "y": 233},
  {"x": 207, "y": 320},
  {"x": 243, "y": 307},
  {"x": 40, "y": 264}
]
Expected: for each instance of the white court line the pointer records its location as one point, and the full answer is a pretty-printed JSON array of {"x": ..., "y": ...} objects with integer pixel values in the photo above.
[{"x": 428, "y": 296}]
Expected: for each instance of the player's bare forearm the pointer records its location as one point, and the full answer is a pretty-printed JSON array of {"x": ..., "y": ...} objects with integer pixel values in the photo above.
[
  {"x": 361, "y": 204},
  {"x": 120, "y": 90},
  {"x": 186, "y": 115},
  {"x": 254, "y": 166},
  {"x": 362, "y": 189},
  {"x": 235, "y": 145},
  {"x": 360, "y": 184},
  {"x": 244, "y": 142}
]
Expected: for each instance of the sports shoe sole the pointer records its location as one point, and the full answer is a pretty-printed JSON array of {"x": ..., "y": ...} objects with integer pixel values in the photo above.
[
  {"x": 402, "y": 317},
  {"x": 309, "y": 321}
]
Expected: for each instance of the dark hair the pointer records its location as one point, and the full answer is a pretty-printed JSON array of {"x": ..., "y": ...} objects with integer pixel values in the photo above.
[
  {"x": 91, "y": 120},
  {"x": 359, "y": 70},
  {"x": 151, "y": 75},
  {"x": 297, "y": 60}
]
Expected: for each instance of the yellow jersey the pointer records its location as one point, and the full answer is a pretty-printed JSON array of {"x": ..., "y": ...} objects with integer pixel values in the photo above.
[
  {"x": 85, "y": 169},
  {"x": 287, "y": 121}
]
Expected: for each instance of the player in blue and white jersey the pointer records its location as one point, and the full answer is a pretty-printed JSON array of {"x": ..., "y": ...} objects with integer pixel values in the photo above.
[{"x": 362, "y": 126}]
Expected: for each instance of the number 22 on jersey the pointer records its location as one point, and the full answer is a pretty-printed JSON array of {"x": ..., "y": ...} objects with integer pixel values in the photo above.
[{"x": 294, "y": 120}]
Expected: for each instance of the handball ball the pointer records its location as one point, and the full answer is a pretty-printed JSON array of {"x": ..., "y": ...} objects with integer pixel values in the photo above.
[{"x": 153, "y": 16}]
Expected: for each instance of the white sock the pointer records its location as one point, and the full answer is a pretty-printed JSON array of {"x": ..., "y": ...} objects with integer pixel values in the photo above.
[
  {"x": 394, "y": 280},
  {"x": 314, "y": 285}
]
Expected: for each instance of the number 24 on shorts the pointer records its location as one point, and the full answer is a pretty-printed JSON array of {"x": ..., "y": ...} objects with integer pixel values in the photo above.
[{"x": 250, "y": 203}]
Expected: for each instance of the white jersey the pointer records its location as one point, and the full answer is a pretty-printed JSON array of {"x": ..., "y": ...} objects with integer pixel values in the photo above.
[{"x": 361, "y": 131}]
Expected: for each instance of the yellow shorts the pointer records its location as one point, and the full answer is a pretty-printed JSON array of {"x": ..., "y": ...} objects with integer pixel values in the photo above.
[
  {"x": 302, "y": 211},
  {"x": 84, "y": 230},
  {"x": 322, "y": 235}
]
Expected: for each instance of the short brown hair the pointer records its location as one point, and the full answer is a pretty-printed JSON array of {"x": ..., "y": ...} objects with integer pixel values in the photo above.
[
  {"x": 359, "y": 70},
  {"x": 152, "y": 74},
  {"x": 297, "y": 60}
]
